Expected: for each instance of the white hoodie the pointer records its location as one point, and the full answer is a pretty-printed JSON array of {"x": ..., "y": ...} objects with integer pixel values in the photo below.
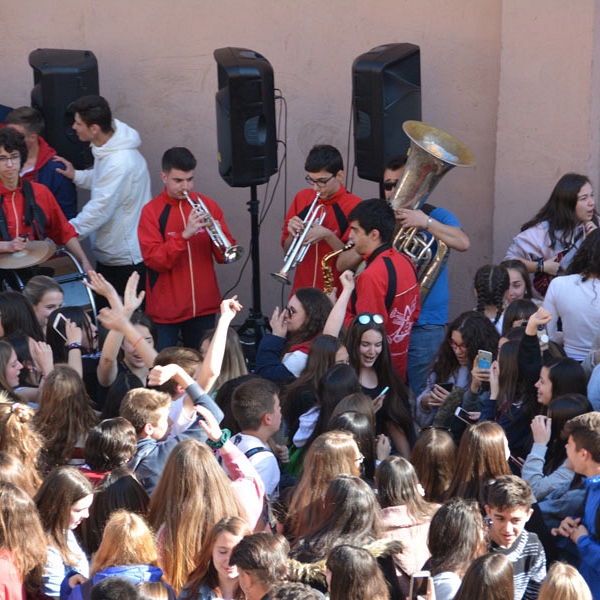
[{"x": 120, "y": 185}]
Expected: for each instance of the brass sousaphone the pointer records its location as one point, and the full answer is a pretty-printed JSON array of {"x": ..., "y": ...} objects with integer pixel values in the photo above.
[{"x": 433, "y": 153}]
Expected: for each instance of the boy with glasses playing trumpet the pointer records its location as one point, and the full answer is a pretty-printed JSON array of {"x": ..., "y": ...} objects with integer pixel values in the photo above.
[{"x": 325, "y": 173}]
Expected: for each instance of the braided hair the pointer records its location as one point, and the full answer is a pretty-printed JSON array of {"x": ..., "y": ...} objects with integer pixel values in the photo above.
[{"x": 491, "y": 285}]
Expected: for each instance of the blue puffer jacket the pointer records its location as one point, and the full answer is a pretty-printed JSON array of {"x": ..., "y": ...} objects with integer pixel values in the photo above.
[{"x": 135, "y": 574}]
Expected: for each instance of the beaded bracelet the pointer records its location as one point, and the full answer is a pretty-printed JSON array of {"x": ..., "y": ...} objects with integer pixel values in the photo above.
[
  {"x": 225, "y": 435},
  {"x": 75, "y": 345}
]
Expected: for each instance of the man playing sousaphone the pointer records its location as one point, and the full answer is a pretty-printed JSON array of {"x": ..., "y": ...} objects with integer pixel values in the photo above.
[
  {"x": 433, "y": 221},
  {"x": 28, "y": 210}
]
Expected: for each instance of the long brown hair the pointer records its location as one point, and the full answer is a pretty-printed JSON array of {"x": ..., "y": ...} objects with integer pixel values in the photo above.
[
  {"x": 317, "y": 307},
  {"x": 20, "y": 439},
  {"x": 489, "y": 577},
  {"x": 481, "y": 458},
  {"x": 350, "y": 516},
  {"x": 331, "y": 454},
  {"x": 63, "y": 487},
  {"x": 397, "y": 485},
  {"x": 456, "y": 537},
  {"x": 65, "y": 416},
  {"x": 6, "y": 351},
  {"x": 205, "y": 569},
  {"x": 192, "y": 494},
  {"x": 355, "y": 574},
  {"x": 127, "y": 540},
  {"x": 22, "y": 534},
  {"x": 434, "y": 457}
]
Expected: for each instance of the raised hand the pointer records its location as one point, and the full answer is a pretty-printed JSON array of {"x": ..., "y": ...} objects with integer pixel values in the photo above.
[{"x": 132, "y": 299}]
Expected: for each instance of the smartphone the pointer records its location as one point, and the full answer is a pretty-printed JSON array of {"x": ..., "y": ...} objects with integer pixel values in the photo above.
[
  {"x": 59, "y": 326},
  {"x": 447, "y": 386},
  {"x": 419, "y": 585},
  {"x": 516, "y": 462},
  {"x": 484, "y": 359},
  {"x": 463, "y": 415},
  {"x": 384, "y": 391}
]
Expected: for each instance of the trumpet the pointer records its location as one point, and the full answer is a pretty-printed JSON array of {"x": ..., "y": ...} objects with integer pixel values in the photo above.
[
  {"x": 298, "y": 249},
  {"x": 230, "y": 251}
]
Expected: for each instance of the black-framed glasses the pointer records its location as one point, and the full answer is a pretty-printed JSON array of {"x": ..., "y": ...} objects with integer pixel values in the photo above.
[
  {"x": 388, "y": 186},
  {"x": 318, "y": 182},
  {"x": 15, "y": 158},
  {"x": 291, "y": 310},
  {"x": 366, "y": 318}
]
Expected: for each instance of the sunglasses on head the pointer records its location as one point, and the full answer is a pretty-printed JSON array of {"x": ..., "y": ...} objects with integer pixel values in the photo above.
[{"x": 366, "y": 318}]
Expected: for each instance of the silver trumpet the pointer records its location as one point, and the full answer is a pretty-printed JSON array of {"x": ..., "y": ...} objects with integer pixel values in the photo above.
[
  {"x": 297, "y": 251},
  {"x": 230, "y": 251}
]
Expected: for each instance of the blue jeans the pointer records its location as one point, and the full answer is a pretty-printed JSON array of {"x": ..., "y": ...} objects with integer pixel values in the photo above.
[
  {"x": 424, "y": 343},
  {"x": 191, "y": 330}
]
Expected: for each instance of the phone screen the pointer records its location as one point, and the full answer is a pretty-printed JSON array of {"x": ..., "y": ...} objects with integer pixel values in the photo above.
[
  {"x": 463, "y": 415},
  {"x": 484, "y": 359},
  {"x": 59, "y": 326},
  {"x": 419, "y": 583}
]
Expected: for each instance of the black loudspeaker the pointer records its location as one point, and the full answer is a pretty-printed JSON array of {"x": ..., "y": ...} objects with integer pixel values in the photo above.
[
  {"x": 59, "y": 78},
  {"x": 246, "y": 133},
  {"x": 386, "y": 91}
]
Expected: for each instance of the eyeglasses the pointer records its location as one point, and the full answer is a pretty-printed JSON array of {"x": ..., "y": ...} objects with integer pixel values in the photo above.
[
  {"x": 14, "y": 158},
  {"x": 318, "y": 182},
  {"x": 291, "y": 310},
  {"x": 388, "y": 186},
  {"x": 366, "y": 318},
  {"x": 457, "y": 346},
  {"x": 360, "y": 459}
]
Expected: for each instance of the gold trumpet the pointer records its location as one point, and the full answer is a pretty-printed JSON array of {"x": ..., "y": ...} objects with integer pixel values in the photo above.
[
  {"x": 328, "y": 271},
  {"x": 230, "y": 251},
  {"x": 298, "y": 249}
]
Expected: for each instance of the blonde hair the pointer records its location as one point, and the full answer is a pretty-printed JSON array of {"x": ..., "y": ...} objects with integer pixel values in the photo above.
[
  {"x": 564, "y": 582},
  {"x": 127, "y": 540}
]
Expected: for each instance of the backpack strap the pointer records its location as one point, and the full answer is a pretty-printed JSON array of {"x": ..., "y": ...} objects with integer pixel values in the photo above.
[
  {"x": 256, "y": 450},
  {"x": 162, "y": 227},
  {"x": 35, "y": 217}
]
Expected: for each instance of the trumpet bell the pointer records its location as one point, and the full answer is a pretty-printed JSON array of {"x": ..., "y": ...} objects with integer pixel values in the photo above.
[
  {"x": 233, "y": 253},
  {"x": 281, "y": 277}
]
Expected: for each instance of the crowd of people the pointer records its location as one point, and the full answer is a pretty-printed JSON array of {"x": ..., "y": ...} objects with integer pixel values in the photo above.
[{"x": 377, "y": 449}]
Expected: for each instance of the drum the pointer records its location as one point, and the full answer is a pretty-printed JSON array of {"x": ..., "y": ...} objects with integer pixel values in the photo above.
[{"x": 65, "y": 269}]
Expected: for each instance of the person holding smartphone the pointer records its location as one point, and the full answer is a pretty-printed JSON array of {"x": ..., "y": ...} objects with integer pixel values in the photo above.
[
  {"x": 370, "y": 357},
  {"x": 455, "y": 361}
]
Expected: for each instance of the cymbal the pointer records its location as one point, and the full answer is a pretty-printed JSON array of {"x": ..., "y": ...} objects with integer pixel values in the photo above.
[{"x": 35, "y": 252}]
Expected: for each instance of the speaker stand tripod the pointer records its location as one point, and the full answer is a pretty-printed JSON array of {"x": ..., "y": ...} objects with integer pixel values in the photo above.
[{"x": 255, "y": 326}]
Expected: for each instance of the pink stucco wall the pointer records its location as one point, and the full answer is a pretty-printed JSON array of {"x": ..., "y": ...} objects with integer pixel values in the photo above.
[{"x": 512, "y": 79}]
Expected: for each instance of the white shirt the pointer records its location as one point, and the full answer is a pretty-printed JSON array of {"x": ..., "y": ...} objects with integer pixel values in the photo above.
[{"x": 577, "y": 303}]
